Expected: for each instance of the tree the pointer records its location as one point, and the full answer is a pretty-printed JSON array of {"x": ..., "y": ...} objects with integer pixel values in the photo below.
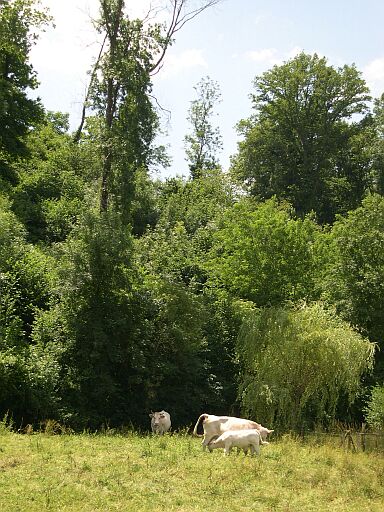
[
  {"x": 375, "y": 408},
  {"x": 52, "y": 184},
  {"x": 262, "y": 253},
  {"x": 27, "y": 373},
  {"x": 205, "y": 141},
  {"x": 298, "y": 363},
  {"x": 19, "y": 22},
  {"x": 300, "y": 144},
  {"x": 377, "y": 145},
  {"x": 195, "y": 202},
  {"x": 353, "y": 278},
  {"x": 120, "y": 92}
]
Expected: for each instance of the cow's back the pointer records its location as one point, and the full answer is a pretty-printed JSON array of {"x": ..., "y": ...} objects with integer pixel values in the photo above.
[{"x": 232, "y": 423}]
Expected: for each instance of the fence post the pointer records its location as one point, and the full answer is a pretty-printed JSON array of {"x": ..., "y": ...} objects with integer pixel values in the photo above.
[
  {"x": 348, "y": 437},
  {"x": 363, "y": 437}
]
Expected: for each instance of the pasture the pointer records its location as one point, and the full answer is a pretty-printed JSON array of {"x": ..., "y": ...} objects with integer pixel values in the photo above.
[{"x": 131, "y": 472}]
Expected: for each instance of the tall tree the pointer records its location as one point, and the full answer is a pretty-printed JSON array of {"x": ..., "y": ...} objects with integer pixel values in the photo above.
[
  {"x": 203, "y": 144},
  {"x": 120, "y": 91},
  {"x": 19, "y": 22},
  {"x": 302, "y": 141}
]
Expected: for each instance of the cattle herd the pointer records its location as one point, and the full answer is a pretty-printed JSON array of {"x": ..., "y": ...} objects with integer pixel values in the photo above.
[{"x": 220, "y": 432}]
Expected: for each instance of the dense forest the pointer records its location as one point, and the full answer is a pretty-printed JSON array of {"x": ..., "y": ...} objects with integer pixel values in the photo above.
[{"x": 257, "y": 290}]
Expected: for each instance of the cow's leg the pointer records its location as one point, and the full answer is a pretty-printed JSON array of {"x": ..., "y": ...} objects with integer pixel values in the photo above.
[
  {"x": 227, "y": 448},
  {"x": 206, "y": 441},
  {"x": 255, "y": 449}
]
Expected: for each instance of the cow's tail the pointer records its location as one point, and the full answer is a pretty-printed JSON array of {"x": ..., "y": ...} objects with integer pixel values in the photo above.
[{"x": 202, "y": 416}]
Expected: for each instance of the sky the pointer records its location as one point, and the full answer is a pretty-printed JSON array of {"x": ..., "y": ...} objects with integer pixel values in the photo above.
[{"x": 232, "y": 43}]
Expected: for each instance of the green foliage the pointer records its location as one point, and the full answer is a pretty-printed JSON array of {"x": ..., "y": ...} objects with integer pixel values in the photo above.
[
  {"x": 196, "y": 203},
  {"x": 24, "y": 280},
  {"x": 95, "y": 279},
  {"x": 172, "y": 256},
  {"x": 376, "y": 146},
  {"x": 106, "y": 315},
  {"x": 179, "y": 370},
  {"x": 52, "y": 190},
  {"x": 203, "y": 144},
  {"x": 299, "y": 144},
  {"x": 263, "y": 254},
  {"x": 298, "y": 363},
  {"x": 20, "y": 21},
  {"x": 120, "y": 96},
  {"x": 374, "y": 411},
  {"x": 27, "y": 374},
  {"x": 353, "y": 280}
]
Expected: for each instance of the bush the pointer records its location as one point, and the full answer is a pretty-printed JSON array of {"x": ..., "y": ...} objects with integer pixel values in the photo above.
[{"x": 374, "y": 411}]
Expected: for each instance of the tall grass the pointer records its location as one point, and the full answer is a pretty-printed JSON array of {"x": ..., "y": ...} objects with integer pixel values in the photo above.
[{"x": 90, "y": 473}]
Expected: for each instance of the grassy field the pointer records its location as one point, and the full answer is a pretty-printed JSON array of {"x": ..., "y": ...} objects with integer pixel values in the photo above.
[{"x": 90, "y": 473}]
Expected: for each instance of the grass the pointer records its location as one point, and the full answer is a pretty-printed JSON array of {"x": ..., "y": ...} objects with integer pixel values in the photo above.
[{"x": 91, "y": 473}]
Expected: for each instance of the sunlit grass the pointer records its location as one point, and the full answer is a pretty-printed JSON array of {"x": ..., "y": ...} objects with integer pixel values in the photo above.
[{"x": 143, "y": 473}]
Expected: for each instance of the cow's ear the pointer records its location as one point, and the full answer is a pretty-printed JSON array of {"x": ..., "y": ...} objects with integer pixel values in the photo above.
[{"x": 150, "y": 415}]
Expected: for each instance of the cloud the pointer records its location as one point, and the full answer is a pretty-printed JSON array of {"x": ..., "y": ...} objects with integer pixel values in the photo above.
[
  {"x": 271, "y": 56},
  {"x": 176, "y": 64},
  {"x": 265, "y": 55},
  {"x": 373, "y": 73}
]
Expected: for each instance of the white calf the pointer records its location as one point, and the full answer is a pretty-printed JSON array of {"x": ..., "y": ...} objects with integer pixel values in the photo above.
[{"x": 243, "y": 439}]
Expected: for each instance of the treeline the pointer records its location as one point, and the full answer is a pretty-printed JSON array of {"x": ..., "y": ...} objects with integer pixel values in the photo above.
[{"x": 257, "y": 291}]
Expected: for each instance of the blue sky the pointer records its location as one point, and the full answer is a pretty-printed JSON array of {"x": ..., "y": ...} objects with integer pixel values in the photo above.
[{"x": 231, "y": 43}]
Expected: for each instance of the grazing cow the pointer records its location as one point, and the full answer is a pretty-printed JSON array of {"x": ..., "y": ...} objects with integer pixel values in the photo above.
[
  {"x": 217, "y": 425},
  {"x": 243, "y": 439},
  {"x": 160, "y": 422}
]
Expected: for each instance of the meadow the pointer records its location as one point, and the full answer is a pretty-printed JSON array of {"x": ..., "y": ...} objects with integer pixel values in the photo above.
[{"x": 133, "y": 472}]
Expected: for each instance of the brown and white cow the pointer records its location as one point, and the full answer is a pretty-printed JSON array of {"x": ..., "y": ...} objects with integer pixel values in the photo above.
[
  {"x": 241, "y": 439},
  {"x": 217, "y": 425},
  {"x": 160, "y": 422}
]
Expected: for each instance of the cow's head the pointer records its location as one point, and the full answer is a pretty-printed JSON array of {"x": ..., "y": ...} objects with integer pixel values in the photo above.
[
  {"x": 156, "y": 418},
  {"x": 264, "y": 431}
]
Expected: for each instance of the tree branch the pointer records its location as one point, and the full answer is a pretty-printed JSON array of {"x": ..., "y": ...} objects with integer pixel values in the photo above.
[
  {"x": 177, "y": 22},
  {"x": 77, "y": 135}
]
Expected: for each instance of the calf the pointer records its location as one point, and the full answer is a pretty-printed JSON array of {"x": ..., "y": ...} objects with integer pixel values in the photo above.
[
  {"x": 214, "y": 426},
  {"x": 243, "y": 439},
  {"x": 160, "y": 422}
]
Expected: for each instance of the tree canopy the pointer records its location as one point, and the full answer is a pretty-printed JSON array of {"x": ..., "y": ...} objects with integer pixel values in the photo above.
[{"x": 301, "y": 143}]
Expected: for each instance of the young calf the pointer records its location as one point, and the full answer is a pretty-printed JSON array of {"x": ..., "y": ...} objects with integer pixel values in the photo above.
[{"x": 243, "y": 439}]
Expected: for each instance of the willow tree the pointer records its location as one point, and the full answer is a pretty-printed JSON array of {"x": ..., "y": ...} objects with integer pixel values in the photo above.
[
  {"x": 132, "y": 51},
  {"x": 298, "y": 363}
]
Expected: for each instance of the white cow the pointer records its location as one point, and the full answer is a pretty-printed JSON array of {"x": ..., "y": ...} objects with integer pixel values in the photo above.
[
  {"x": 160, "y": 422},
  {"x": 243, "y": 439},
  {"x": 216, "y": 425}
]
